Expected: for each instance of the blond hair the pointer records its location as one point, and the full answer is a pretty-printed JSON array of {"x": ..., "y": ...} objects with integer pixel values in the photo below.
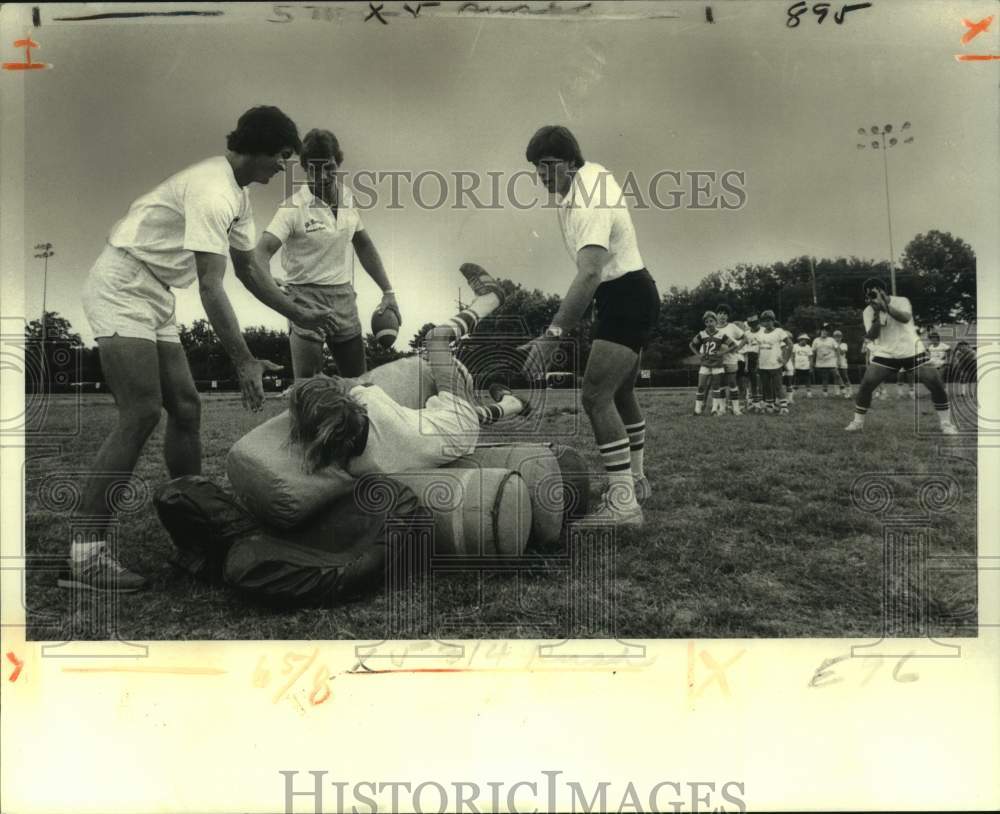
[{"x": 326, "y": 421}]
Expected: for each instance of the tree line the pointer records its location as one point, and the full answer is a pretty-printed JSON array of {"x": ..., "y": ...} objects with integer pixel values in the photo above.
[{"x": 937, "y": 272}]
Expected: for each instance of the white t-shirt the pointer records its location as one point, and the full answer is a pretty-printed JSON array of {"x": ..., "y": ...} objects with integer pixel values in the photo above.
[
  {"x": 595, "y": 213},
  {"x": 316, "y": 246},
  {"x": 898, "y": 340},
  {"x": 842, "y": 354},
  {"x": 735, "y": 333},
  {"x": 826, "y": 351},
  {"x": 401, "y": 439},
  {"x": 752, "y": 345},
  {"x": 199, "y": 209},
  {"x": 771, "y": 345},
  {"x": 802, "y": 355},
  {"x": 939, "y": 353}
]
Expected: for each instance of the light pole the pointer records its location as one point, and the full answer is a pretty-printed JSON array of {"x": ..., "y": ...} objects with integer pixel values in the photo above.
[
  {"x": 45, "y": 251},
  {"x": 885, "y": 142}
]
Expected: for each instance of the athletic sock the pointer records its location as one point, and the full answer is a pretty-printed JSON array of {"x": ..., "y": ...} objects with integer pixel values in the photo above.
[
  {"x": 859, "y": 414},
  {"x": 943, "y": 413},
  {"x": 82, "y": 550},
  {"x": 618, "y": 466},
  {"x": 636, "y": 443}
]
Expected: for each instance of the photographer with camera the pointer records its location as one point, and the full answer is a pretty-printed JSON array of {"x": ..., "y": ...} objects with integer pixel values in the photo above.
[{"x": 895, "y": 346}]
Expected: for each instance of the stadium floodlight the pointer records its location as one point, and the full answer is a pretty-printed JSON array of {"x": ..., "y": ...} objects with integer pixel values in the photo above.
[{"x": 884, "y": 144}]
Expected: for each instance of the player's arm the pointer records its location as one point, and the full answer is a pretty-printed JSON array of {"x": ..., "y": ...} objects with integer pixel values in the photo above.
[
  {"x": 693, "y": 344},
  {"x": 211, "y": 270},
  {"x": 871, "y": 321},
  {"x": 590, "y": 261},
  {"x": 253, "y": 270},
  {"x": 899, "y": 310},
  {"x": 786, "y": 351},
  {"x": 371, "y": 262}
]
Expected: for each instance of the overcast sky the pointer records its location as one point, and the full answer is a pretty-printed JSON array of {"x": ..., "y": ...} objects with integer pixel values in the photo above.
[{"x": 129, "y": 104}]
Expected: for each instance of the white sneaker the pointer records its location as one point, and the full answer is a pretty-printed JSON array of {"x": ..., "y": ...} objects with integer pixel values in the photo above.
[
  {"x": 949, "y": 429},
  {"x": 854, "y": 426},
  {"x": 606, "y": 513},
  {"x": 736, "y": 409},
  {"x": 698, "y": 407},
  {"x": 809, "y": 394}
]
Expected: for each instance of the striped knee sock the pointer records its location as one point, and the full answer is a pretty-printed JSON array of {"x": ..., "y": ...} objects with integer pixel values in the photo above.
[
  {"x": 618, "y": 466},
  {"x": 509, "y": 405},
  {"x": 943, "y": 413},
  {"x": 636, "y": 442}
]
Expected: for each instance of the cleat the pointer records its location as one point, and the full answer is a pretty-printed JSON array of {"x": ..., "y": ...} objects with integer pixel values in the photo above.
[
  {"x": 643, "y": 489},
  {"x": 608, "y": 514},
  {"x": 101, "y": 572},
  {"x": 854, "y": 426},
  {"x": 949, "y": 429},
  {"x": 698, "y": 408},
  {"x": 480, "y": 281},
  {"x": 783, "y": 411}
]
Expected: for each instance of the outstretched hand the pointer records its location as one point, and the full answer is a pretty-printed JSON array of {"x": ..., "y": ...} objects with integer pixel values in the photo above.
[{"x": 251, "y": 374}]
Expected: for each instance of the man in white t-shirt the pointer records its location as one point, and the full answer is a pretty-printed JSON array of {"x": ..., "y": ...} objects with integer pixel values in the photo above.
[
  {"x": 358, "y": 427},
  {"x": 600, "y": 238},
  {"x": 775, "y": 351},
  {"x": 318, "y": 231},
  {"x": 181, "y": 232},
  {"x": 896, "y": 347},
  {"x": 843, "y": 371},
  {"x": 802, "y": 359}
]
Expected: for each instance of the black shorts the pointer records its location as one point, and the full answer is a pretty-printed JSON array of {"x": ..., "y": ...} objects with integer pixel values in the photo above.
[
  {"x": 752, "y": 362},
  {"x": 902, "y": 365},
  {"x": 628, "y": 309}
]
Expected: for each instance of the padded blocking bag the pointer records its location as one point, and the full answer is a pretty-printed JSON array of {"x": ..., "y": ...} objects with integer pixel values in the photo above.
[
  {"x": 268, "y": 473},
  {"x": 203, "y": 521},
  {"x": 341, "y": 553}
]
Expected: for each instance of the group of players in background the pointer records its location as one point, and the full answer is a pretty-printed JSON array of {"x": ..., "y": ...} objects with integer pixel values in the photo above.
[{"x": 756, "y": 366}]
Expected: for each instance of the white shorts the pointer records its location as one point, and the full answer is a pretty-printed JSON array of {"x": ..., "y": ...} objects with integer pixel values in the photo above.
[
  {"x": 710, "y": 371},
  {"x": 121, "y": 297}
]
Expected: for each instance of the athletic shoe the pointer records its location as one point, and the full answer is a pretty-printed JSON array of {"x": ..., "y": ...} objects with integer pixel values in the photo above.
[
  {"x": 101, "y": 572},
  {"x": 913, "y": 394},
  {"x": 736, "y": 409},
  {"x": 809, "y": 394},
  {"x": 854, "y": 426},
  {"x": 949, "y": 429},
  {"x": 606, "y": 513},
  {"x": 480, "y": 281},
  {"x": 826, "y": 395},
  {"x": 643, "y": 489},
  {"x": 498, "y": 391},
  {"x": 783, "y": 411},
  {"x": 697, "y": 408}
]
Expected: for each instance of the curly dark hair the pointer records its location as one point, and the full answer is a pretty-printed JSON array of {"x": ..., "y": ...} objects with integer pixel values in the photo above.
[
  {"x": 554, "y": 140},
  {"x": 264, "y": 130},
  {"x": 319, "y": 146}
]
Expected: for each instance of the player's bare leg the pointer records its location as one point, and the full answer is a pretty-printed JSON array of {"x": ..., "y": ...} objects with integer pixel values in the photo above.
[
  {"x": 931, "y": 379},
  {"x": 874, "y": 376}
]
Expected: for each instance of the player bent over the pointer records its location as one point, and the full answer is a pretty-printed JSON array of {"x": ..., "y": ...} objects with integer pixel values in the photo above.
[
  {"x": 896, "y": 347},
  {"x": 711, "y": 345},
  {"x": 358, "y": 427},
  {"x": 181, "y": 232},
  {"x": 775, "y": 352}
]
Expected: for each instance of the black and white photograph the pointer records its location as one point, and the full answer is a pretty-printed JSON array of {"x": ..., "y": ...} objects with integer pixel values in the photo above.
[{"x": 593, "y": 322}]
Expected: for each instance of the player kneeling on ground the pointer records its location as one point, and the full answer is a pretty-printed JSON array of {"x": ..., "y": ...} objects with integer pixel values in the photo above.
[
  {"x": 896, "y": 347},
  {"x": 357, "y": 426}
]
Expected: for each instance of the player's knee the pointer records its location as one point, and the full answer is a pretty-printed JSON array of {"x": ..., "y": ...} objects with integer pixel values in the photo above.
[
  {"x": 185, "y": 411},
  {"x": 594, "y": 399},
  {"x": 139, "y": 418}
]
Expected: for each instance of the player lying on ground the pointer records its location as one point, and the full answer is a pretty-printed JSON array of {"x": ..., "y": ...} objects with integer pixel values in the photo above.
[
  {"x": 355, "y": 425},
  {"x": 888, "y": 322},
  {"x": 179, "y": 233},
  {"x": 598, "y": 232},
  {"x": 711, "y": 345},
  {"x": 318, "y": 231}
]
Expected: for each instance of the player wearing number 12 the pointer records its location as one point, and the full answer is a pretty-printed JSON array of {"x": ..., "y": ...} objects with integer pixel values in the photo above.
[{"x": 711, "y": 345}]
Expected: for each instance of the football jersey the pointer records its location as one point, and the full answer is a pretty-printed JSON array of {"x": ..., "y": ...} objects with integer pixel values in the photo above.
[
  {"x": 711, "y": 347},
  {"x": 826, "y": 351},
  {"x": 771, "y": 344},
  {"x": 735, "y": 334},
  {"x": 802, "y": 354},
  {"x": 897, "y": 340},
  {"x": 939, "y": 353}
]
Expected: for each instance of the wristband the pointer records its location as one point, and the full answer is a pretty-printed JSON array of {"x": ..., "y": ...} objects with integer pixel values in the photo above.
[{"x": 388, "y": 291}]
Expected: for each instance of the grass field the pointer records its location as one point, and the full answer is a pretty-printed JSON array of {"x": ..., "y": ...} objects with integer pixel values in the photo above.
[{"x": 751, "y": 532}]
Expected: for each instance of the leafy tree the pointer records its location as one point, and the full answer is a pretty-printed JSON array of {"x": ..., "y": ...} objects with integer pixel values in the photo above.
[{"x": 938, "y": 275}]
